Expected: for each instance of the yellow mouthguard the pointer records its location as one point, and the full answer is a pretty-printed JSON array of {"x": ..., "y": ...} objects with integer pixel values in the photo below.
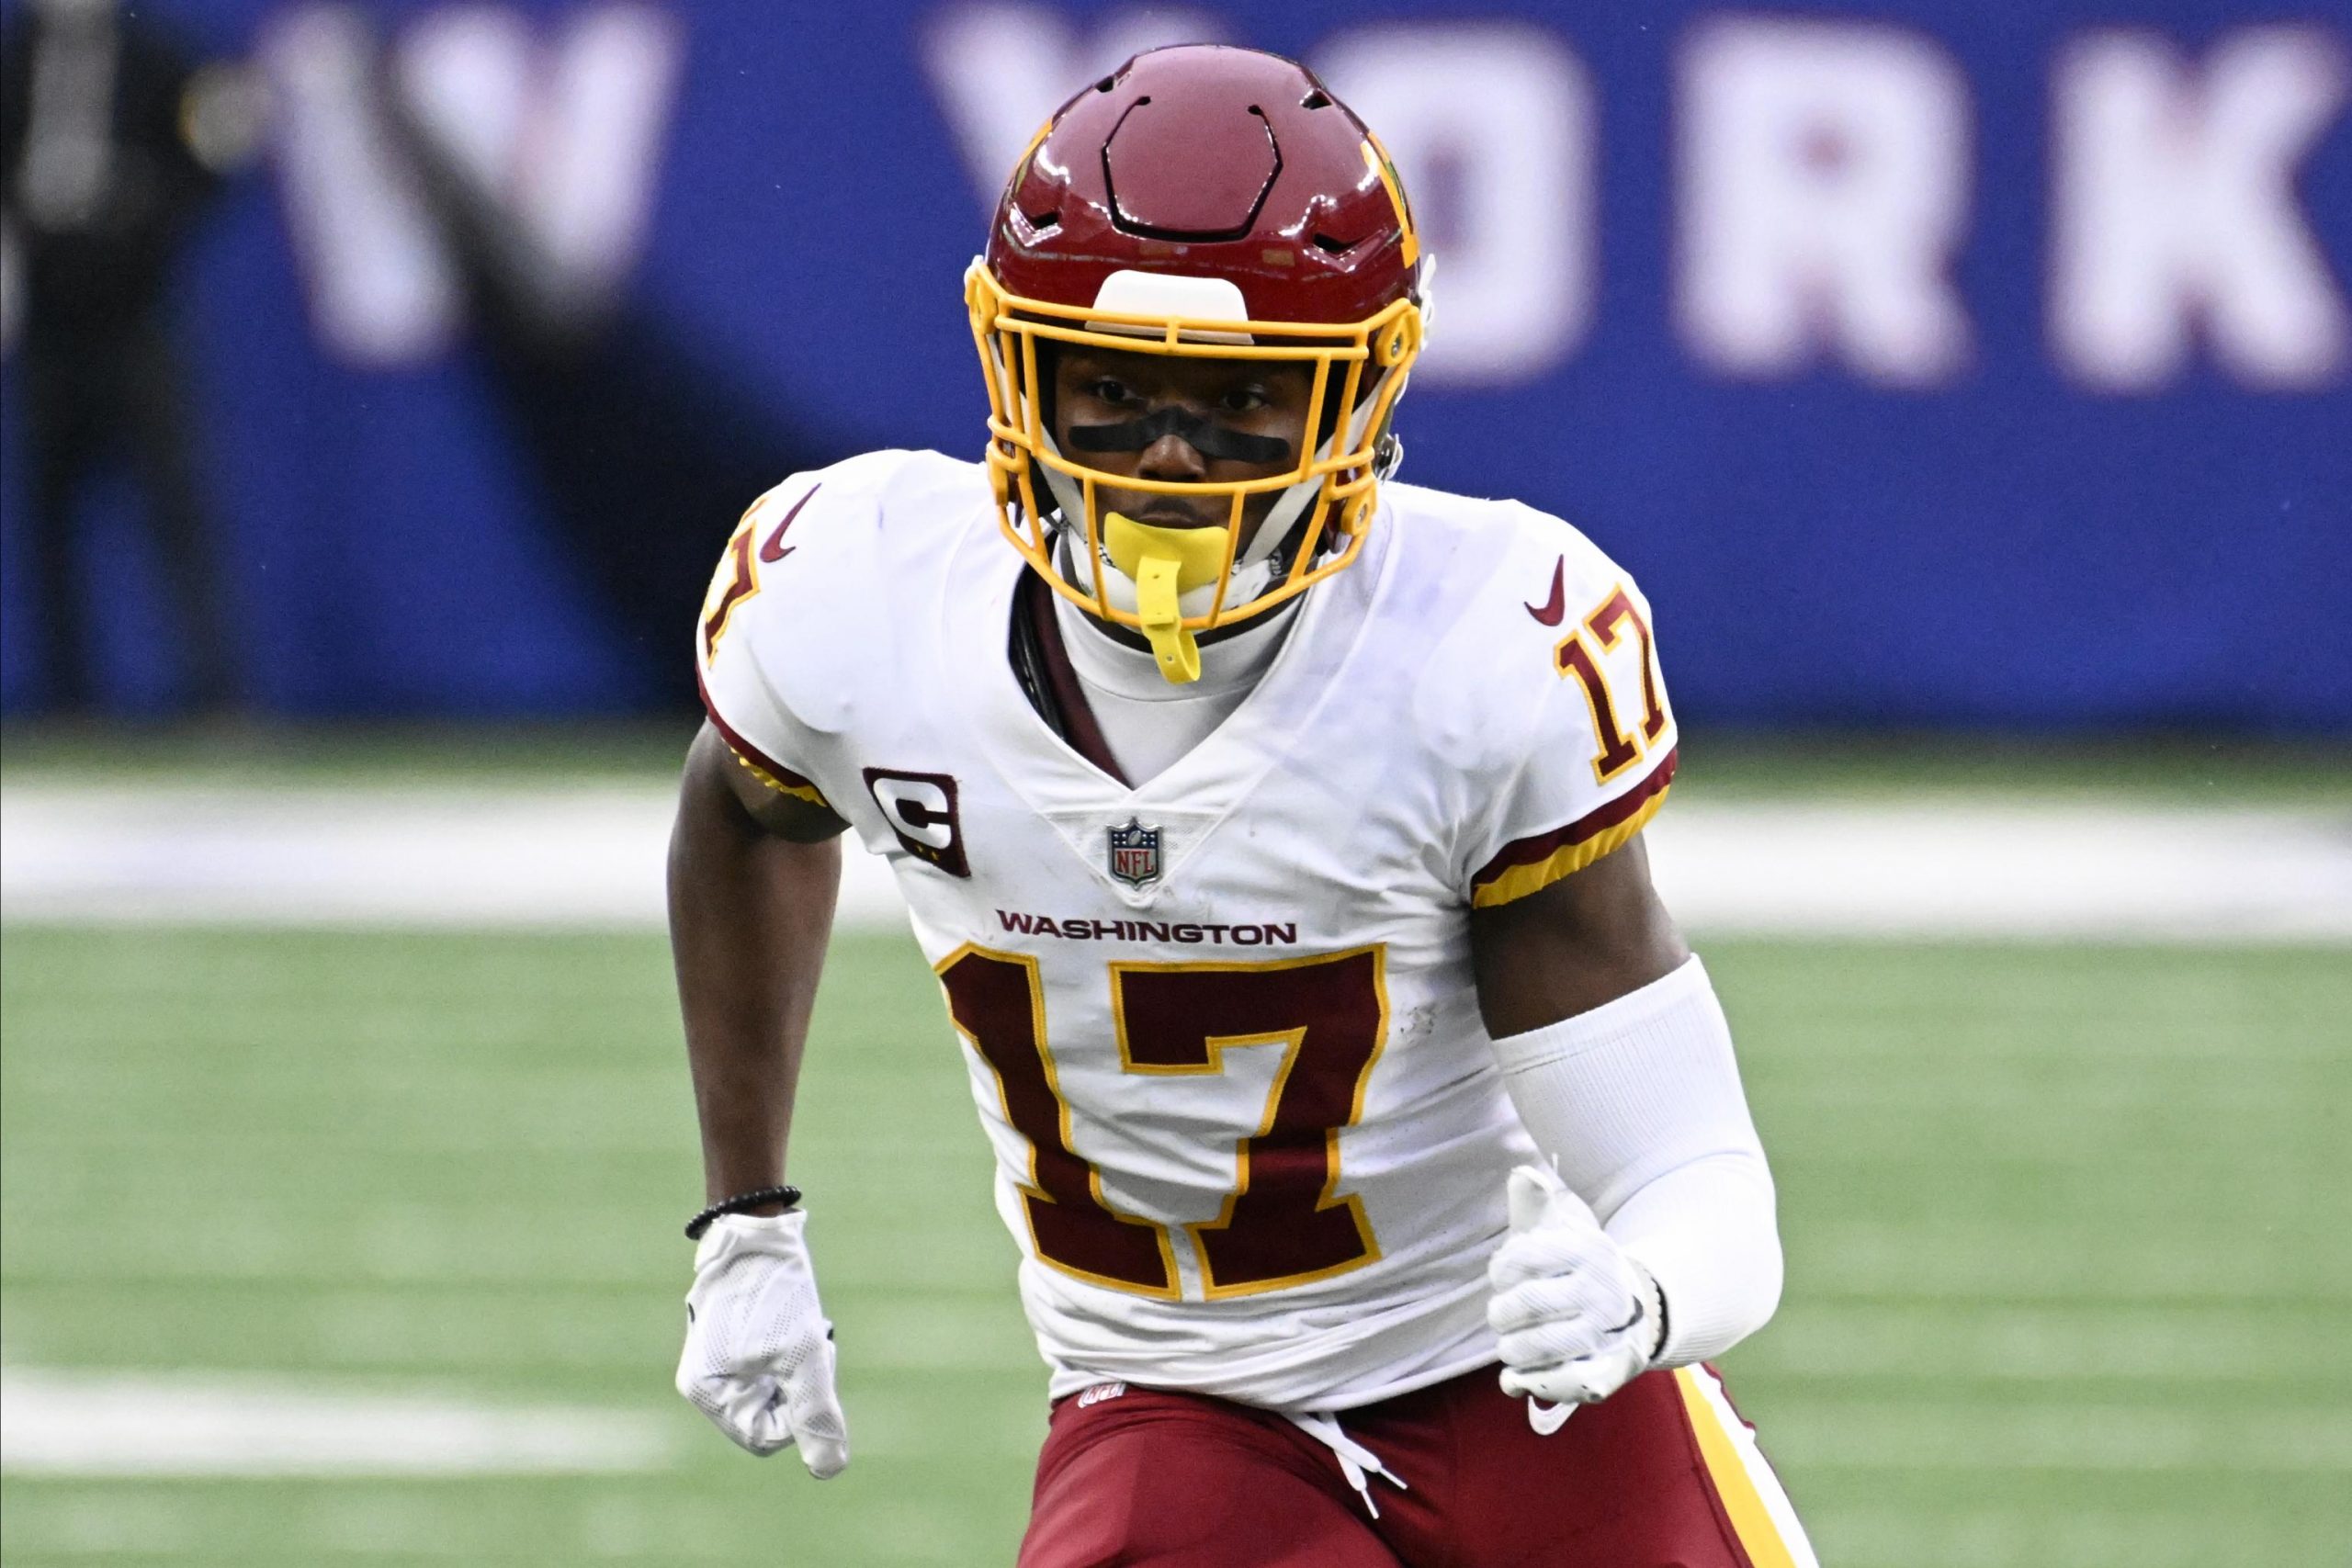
[{"x": 1165, "y": 563}]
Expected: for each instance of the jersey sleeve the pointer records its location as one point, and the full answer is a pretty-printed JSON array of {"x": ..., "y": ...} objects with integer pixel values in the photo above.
[
  {"x": 1594, "y": 764},
  {"x": 732, "y": 644}
]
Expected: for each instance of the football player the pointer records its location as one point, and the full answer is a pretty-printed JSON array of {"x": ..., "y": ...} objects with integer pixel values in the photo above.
[{"x": 1375, "y": 1147}]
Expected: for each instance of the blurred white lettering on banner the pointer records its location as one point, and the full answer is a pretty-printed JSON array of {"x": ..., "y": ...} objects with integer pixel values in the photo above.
[
  {"x": 2175, "y": 205},
  {"x": 382, "y": 290},
  {"x": 1823, "y": 179},
  {"x": 999, "y": 69},
  {"x": 566, "y": 143},
  {"x": 561, "y": 139},
  {"x": 1824, "y": 175},
  {"x": 1492, "y": 125}
]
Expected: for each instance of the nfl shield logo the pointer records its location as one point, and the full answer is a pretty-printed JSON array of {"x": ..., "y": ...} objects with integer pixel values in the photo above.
[{"x": 1135, "y": 853}]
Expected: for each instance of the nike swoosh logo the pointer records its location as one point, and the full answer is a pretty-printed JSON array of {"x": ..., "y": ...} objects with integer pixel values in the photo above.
[
  {"x": 1549, "y": 616},
  {"x": 1547, "y": 1418},
  {"x": 777, "y": 549}
]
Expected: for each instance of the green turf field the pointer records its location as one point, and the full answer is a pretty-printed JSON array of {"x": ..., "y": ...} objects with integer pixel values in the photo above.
[{"x": 2068, "y": 1276}]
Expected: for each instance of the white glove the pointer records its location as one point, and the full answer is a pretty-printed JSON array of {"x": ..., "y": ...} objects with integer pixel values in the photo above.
[
  {"x": 1577, "y": 1317},
  {"x": 758, "y": 1357}
]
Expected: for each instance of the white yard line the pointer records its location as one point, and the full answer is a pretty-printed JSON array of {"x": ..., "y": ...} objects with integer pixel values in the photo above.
[
  {"x": 1960, "y": 869},
  {"x": 591, "y": 857},
  {"x": 120, "y": 1424}
]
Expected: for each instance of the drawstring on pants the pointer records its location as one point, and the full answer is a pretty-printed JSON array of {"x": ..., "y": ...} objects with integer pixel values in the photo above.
[{"x": 1358, "y": 1463}]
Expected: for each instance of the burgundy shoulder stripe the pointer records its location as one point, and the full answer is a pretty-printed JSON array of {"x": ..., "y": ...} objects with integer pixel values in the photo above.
[
  {"x": 1543, "y": 846},
  {"x": 784, "y": 777}
]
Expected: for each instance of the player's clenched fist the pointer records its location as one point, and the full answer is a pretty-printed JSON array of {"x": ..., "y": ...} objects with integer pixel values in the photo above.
[
  {"x": 758, "y": 1357},
  {"x": 1577, "y": 1317}
]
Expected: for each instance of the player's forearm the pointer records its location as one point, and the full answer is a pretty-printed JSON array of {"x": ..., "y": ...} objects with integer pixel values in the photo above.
[
  {"x": 1708, "y": 1234},
  {"x": 1640, "y": 1102},
  {"x": 749, "y": 915}
]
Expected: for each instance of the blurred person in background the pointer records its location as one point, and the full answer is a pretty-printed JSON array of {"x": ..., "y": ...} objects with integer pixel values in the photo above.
[
  {"x": 111, "y": 144},
  {"x": 1334, "y": 1305}
]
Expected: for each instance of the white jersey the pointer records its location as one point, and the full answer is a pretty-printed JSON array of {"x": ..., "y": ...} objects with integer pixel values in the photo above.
[{"x": 1249, "y": 1132}]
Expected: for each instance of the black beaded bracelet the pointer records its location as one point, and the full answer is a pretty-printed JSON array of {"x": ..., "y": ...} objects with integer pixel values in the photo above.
[{"x": 788, "y": 1195}]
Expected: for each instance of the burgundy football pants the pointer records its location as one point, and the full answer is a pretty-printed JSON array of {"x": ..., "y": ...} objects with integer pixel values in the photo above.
[{"x": 1663, "y": 1474}]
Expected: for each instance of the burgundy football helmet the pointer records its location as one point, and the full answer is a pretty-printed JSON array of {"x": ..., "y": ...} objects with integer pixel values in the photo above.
[{"x": 1211, "y": 202}]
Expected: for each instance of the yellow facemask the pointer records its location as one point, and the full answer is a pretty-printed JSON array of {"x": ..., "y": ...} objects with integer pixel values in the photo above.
[{"x": 1358, "y": 370}]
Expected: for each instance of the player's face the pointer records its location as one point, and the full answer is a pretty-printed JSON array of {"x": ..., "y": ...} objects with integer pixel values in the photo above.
[{"x": 1098, "y": 394}]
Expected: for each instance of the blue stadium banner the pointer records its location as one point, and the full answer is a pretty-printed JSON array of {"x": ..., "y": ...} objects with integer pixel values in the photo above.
[{"x": 1932, "y": 363}]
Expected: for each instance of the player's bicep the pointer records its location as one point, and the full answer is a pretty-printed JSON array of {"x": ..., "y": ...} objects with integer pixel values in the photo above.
[
  {"x": 715, "y": 772},
  {"x": 1572, "y": 945}
]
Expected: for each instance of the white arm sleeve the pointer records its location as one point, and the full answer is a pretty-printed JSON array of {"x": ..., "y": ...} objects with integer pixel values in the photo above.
[{"x": 1639, "y": 1100}]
